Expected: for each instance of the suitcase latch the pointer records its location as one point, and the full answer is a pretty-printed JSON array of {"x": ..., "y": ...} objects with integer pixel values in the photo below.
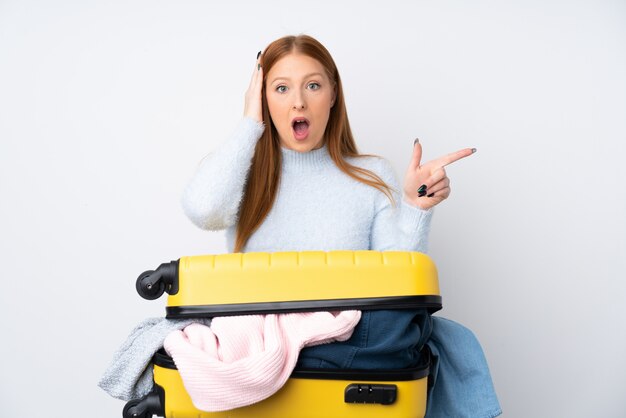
[{"x": 364, "y": 393}]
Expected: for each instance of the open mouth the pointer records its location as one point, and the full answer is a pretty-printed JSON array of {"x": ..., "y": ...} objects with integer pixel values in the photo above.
[{"x": 300, "y": 128}]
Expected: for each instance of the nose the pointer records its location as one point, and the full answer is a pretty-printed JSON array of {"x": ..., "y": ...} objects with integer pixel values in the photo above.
[{"x": 298, "y": 103}]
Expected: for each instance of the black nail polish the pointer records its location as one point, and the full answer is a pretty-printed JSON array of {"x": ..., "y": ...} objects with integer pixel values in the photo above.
[
  {"x": 258, "y": 55},
  {"x": 258, "y": 67},
  {"x": 431, "y": 195},
  {"x": 417, "y": 140},
  {"x": 422, "y": 188}
]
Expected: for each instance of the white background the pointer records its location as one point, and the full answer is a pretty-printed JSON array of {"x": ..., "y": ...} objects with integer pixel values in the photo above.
[{"x": 106, "y": 108}]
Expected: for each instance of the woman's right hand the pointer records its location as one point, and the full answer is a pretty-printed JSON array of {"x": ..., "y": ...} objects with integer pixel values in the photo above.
[{"x": 253, "y": 107}]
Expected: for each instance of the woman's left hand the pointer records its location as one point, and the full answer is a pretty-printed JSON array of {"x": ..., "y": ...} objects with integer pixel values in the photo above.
[{"x": 426, "y": 185}]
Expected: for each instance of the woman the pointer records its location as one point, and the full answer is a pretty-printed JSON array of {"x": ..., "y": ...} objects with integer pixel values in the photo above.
[{"x": 291, "y": 179}]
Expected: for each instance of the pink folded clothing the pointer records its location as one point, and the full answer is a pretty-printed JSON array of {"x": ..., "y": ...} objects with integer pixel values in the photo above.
[{"x": 241, "y": 360}]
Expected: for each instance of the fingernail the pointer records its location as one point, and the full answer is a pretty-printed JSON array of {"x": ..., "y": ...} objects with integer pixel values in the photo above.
[
  {"x": 422, "y": 188},
  {"x": 431, "y": 195},
  {"x": 258, "y": 67},
  {"x": 417, "y": 140},
  {"x": 473, "y": 150},
  {"x": 258, "y": 55}
]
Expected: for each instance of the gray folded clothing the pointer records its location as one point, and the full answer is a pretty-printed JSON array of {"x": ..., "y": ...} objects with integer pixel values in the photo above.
[{"x": 128, "y": 375}]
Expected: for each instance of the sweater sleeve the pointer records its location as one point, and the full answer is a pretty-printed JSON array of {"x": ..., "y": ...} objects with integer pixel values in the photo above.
[
  {"x": 212, "y": 197},
  {"x": 400, "y": 227}
]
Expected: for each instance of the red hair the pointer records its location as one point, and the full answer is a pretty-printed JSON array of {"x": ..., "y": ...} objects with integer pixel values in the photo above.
[{"x": 264, "y": 176}]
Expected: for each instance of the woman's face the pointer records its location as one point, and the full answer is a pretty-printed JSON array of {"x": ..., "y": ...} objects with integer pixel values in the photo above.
[{"x": 299, "y": 96}]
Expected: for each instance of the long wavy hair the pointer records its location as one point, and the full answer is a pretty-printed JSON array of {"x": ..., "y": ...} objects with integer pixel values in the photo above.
[{"x": 264, "y": 175}]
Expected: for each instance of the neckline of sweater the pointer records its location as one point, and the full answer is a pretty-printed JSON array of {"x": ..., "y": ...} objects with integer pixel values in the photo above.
[{"x": 316, "y": 158}]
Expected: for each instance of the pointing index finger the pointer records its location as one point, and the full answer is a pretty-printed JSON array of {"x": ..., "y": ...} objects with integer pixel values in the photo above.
[{"x": 454, "y": 156}]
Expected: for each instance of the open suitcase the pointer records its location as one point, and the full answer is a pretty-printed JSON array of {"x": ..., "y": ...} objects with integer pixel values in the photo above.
[{"x": 257, "y": 283}]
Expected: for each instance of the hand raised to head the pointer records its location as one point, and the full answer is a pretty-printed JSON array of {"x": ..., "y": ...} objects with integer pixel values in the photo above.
[
  {"x": 426, "y": 185},
  {"x": 253, "y": 104}
]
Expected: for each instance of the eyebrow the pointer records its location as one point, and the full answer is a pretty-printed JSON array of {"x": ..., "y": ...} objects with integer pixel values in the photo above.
[{"x": 288, "y": 79}]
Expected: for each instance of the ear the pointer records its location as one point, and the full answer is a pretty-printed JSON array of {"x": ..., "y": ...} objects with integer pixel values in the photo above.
[{"x": 332, "y": 101}]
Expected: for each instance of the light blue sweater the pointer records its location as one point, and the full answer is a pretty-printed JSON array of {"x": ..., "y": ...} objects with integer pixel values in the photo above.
[{"x": 317, "y": 207}]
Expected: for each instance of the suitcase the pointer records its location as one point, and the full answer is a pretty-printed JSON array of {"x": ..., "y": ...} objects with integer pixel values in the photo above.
[{"x": 260, "y": 283}]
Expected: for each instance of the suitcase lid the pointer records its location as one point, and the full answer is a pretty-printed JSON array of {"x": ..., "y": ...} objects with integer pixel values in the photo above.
[{"x": 241, "y": 283}]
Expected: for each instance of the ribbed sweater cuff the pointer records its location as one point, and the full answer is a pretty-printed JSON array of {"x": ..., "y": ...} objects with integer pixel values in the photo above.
[
  {"x": 413, "y": 215},
  {"x": 251, "y": 126}
]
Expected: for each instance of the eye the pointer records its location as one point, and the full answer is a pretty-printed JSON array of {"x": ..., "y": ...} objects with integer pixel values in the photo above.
[
  {"x": 281, "y": 89},
  {"x": 314, "y": 86}
]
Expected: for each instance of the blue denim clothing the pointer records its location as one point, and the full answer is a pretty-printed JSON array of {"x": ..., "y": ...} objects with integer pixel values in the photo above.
[
  {"x": 381, "y": 340},
  {"x": 392, "y": 339},
  {"x": 462, "y": 384}
]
